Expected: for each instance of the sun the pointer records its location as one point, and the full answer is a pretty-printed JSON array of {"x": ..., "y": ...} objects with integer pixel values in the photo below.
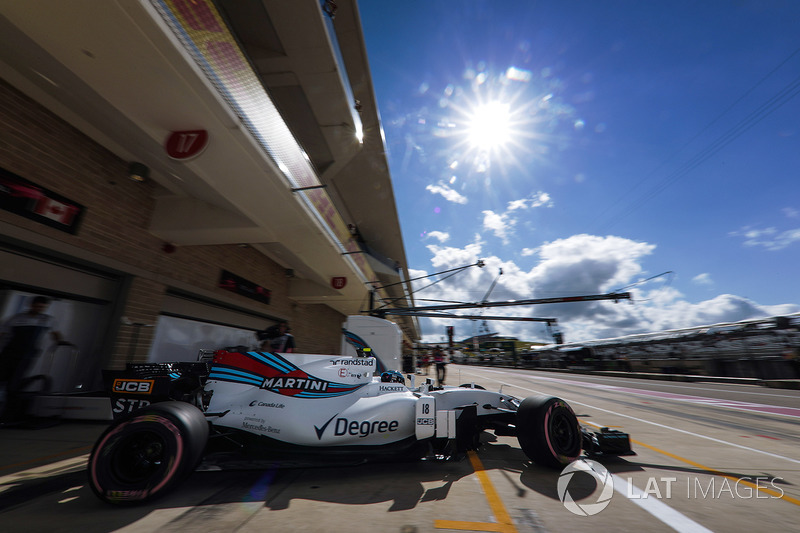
[{"x": 490, "y": 126}]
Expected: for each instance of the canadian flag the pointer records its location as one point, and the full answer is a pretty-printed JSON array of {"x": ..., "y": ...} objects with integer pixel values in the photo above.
[{"x": 55, "y": 210}]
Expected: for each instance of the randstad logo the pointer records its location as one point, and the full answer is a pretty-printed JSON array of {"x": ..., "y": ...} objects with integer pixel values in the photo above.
[{"x": 601, "y": 476}]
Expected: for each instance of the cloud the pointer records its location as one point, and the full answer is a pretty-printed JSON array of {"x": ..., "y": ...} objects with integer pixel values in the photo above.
[
  {"x": 500, "y": 224},
  {"x": 703, "y": 279},
  {"x": 538, "y": 199},
  {"x": 578, "y": 265},
  {"x": 445, "y": 257},
  {"x": 447, "y": 192},
  {"x": 769, "y": 238},
  {"x": 591, "y": 263},
  {"x": 441, "y": 236},
  {"x": 541, "y": 199},
  {"x": 517, "y": 204}
]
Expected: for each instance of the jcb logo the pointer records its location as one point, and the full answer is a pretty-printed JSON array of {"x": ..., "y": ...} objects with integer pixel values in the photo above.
[{"x": 133, "y": 386}]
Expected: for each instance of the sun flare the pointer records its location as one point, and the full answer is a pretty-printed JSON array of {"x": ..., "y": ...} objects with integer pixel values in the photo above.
[{"x": 490, "y": 126}]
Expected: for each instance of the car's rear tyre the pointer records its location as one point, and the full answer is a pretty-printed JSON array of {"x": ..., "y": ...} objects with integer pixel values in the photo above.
[
  {"x": 548, "y": 431},
  {"x": 143, "y": 456}
]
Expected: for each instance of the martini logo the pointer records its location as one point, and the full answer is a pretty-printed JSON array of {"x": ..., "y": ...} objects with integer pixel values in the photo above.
[
  {"x": 281, "y": 383},
  {"x": 274, "y": 373}
]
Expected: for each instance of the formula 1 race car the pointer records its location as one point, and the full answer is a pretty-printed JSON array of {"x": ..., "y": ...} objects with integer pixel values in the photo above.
[{"x": 314, "y": 408}]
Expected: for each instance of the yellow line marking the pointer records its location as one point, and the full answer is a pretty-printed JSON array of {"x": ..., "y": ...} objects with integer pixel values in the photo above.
[
  {"x": 504, "y": 523},
  {"x": 713, "y": 471},
  {"x": 775, "y": 493},
  {"x": 470, "y": 526}
]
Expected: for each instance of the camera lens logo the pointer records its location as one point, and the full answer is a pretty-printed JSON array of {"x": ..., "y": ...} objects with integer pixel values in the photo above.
[{"x": 601, "y": 476}]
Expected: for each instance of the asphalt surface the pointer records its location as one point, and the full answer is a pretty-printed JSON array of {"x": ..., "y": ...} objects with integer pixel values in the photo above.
[{"x": 710, "y": 457}]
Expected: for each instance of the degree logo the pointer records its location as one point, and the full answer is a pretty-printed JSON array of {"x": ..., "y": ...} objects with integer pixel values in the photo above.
[{"x": 321, "y": 430}]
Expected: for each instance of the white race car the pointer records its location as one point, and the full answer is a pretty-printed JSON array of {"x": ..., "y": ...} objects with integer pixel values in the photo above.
[{"x": 301, "y": 408}]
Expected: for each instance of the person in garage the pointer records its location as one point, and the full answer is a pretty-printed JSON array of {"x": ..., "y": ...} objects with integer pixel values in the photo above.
[
  {"x": 21, "y": 338},
  {"x": 277, "y": 338}
]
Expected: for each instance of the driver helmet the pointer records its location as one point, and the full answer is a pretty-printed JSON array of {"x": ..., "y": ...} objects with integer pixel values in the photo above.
[{"x": 392, "y": 376}]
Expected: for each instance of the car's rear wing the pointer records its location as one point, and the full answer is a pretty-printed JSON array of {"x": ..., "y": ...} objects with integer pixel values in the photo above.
[{"x": 141, "y": 384}]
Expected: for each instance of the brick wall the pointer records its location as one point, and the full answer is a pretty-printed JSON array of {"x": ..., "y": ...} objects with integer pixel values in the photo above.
[
  {"x": 142, "y": 306},
  {"x": 40, "y": 147}
]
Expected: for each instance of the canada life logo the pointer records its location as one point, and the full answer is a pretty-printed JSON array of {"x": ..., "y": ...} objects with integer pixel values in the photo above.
[{"x": 601, "y": 476}]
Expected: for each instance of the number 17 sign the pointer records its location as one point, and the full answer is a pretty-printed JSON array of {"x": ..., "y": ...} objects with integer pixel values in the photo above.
[{"x": 182, "y": 145}]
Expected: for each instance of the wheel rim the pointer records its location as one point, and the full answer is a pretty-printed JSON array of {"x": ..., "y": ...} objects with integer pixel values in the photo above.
[
  {"x": 562, "y": 432},
  {"x": 138, "y": 456}
]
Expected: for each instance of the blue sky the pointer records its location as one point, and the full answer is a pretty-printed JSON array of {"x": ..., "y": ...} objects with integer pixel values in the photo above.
[{"x": 583, "y": 146}]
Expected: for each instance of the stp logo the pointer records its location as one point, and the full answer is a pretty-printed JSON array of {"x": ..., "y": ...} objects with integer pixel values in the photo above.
[
  {"x": 338, "y": 282},
  {"x": 133, "y": 386}
]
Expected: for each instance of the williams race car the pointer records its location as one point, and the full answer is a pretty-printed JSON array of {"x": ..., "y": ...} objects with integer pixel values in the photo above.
[{"x": 284, "y": 408}]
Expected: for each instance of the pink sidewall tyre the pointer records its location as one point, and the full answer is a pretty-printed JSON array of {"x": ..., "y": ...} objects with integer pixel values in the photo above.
[
  {"x": 146, "y": 454},
  {"x": 548, "y": 431}
]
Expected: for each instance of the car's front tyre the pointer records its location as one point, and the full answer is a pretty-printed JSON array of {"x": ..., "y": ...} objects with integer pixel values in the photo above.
[{"x": 548, "y": 431}]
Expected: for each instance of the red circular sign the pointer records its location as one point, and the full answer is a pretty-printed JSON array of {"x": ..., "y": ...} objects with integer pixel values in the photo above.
[
  {"x": 338, "y": 282},
  {"x": 186, "y": 144}
]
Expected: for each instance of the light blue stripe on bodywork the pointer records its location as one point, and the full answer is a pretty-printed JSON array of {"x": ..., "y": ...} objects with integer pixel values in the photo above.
[
  {"x": 233, "y": 379},
  {"x": 226, "y": 370},
  {"x": 307, "y": 394},
  {"x": 273, "y": 360},
  {"x": 227, "y": 374}
]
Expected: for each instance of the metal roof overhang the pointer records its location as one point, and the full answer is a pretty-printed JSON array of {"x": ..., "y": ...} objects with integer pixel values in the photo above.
[{"x": 118, "y": 72}]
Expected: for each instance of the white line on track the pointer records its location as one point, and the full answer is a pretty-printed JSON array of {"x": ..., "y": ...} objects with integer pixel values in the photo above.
[
  {"x": 669, "y": 516},
  {"x": 787, "y": 393},
  {"x": 592, "y": 379},
  {"x": 776, "y": 410},
  {"x": 698, "y": 435},
  {"x": 658, "y": 509}
]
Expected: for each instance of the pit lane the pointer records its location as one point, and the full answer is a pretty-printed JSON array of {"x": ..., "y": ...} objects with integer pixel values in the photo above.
[{"x": 710, "y": 456}]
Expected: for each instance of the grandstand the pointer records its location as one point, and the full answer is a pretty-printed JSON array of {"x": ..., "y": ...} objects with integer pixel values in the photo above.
[{"x": 766, "y": 348}]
